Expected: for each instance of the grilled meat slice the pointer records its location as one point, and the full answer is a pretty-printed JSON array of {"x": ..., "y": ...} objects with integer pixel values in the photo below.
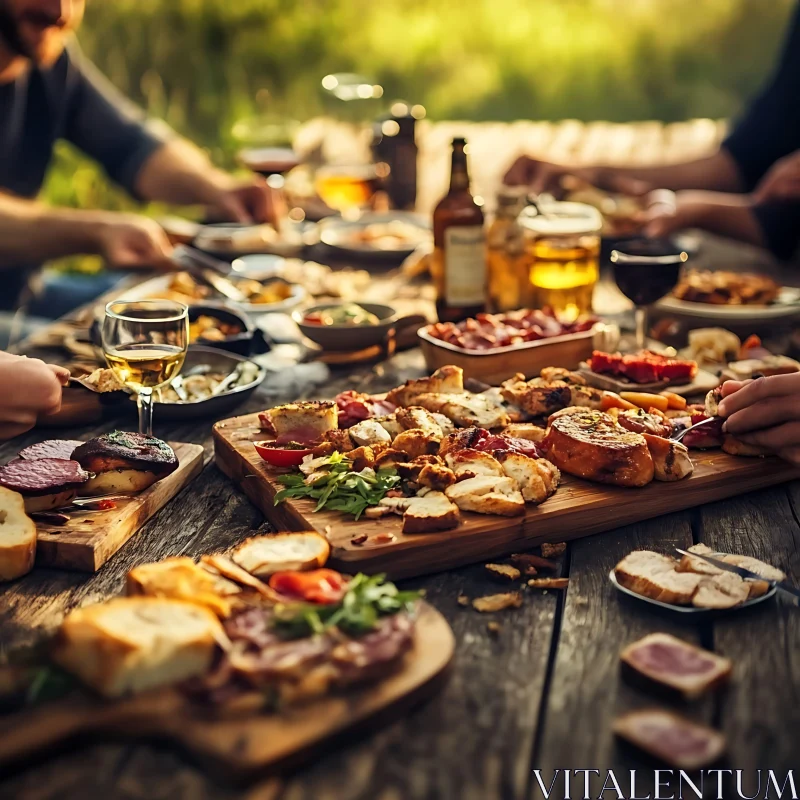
[
  {"x": 536, "y": 397},
  {"x": 670, "y": 459},
  {"x": 44, "y": 483},
  {"x": 416, "y": 443},
  {"x": 465, "y": 409},
  {"x": 536, "y": 478},
  {"x": 640, "y": 421},
  {"x": 51, "y": 448},
  {"x": 124, "y": 462},
  {"x": 590, "y": 444},
  {"x": 417, "y": 417},
  {"x": 487, "y": 494}
]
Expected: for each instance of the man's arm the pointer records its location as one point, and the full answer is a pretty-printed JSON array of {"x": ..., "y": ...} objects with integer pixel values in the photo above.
[
  {"x": 31, "y": 232},
  {"x": 718, "y": 172},
  {"x": 148, "y": 159}
]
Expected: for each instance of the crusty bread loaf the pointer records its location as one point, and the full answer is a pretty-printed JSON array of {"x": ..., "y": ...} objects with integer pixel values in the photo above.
[
  {"x": 654, "y": 575},
  {"x": 181, "y": 579},
  {"x": 17, "y": 536},
  {"x": 262, "y": 556},
  {"x": 132, "y": 644},
  {"x": 676, "y": 665}
]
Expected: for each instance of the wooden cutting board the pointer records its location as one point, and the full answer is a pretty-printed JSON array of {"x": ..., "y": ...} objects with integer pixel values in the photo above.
[
  {"x": 240, "y": 747},
  {"x": 89, "y": 539},
  {"x": 579, "y": 508}
]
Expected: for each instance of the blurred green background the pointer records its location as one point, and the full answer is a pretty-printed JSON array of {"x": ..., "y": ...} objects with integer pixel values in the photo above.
[{"x": 202, "y": 64}]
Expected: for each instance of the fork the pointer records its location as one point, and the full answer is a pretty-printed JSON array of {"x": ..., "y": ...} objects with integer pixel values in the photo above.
[{"x": 676, "y": 437}]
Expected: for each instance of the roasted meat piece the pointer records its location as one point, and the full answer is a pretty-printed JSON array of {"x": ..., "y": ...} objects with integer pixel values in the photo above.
[
  {"x": 640, "y": 421},
  {"x": 590, "y": 444},
  {"x": 670, "y": 459},
  {"x": 44, "y": 483},
  {"x": 124, "y": 462}
]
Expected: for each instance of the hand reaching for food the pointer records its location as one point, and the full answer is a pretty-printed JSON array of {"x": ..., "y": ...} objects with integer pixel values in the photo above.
[
  {"x": 764, "y": 413},
  {"x": 31, "y": 389}
]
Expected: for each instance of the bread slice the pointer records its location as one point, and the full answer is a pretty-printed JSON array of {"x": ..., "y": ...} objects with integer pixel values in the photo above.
[
  {"x": 736, "y": 447},
  {"x": 536, "y": 478},
  {"x": 17, "y": 536},
  {"x": 262, "y": 556},
  {"x": 654, "y": 575},
  {"x": 525, "y": 430},
  {"x": 766, "y": 571},
  {"x": 132, "y": 644},
  {"x": 119, "y": 481},
  {"x": 424, "y": 514},
  {"x": 676, "y": 665},
  {"x": 446, "y": 380},
  {"x": 698, "y": 565},
  {"x": 470, "y": 463},
  {"x": 181, "y": 579},
  {"x": 676, "y": 741},
  {"x": 488, "y": 494},
  {"x": 725, "y": 590},
  {"x": 304, "y": 422}
]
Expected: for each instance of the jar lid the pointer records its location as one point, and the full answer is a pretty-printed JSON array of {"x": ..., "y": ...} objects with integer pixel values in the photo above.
[{"x": 561, "y": 219}]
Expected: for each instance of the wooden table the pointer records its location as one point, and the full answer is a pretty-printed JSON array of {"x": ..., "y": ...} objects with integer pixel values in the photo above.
[{"x": 540, "y": 694}]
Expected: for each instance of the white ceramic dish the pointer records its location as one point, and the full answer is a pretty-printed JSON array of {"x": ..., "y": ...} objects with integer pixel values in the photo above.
[
  {"x": 785, "y": 307},
  {"x": 690, "y": 612},
  {"x": 341, "y": 235}
]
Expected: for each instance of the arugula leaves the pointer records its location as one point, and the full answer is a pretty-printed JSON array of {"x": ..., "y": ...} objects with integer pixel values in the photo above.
[
  {"x": 366, "y": 600},
  {"x": 338, "y": 488}
]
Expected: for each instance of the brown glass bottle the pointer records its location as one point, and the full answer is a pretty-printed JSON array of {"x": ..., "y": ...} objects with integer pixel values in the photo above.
[{"x": 458, "y": 266}]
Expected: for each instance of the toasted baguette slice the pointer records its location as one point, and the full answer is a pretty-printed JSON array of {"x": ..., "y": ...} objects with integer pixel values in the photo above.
[
  {"x": 276, "y": 552},
  {"x": 132, "y": 644},
  {"x": 725, "y": 590},
  {"x": 17, "y": 536},
  {"x": 677, "y": 665},
  {"x": 306, "y": 421},
  {"x": 473, "y": 462},
  {"x": 757, "y": 588},
  {"x": 697, "y": 565},
  {"x": 488, "y": 495},
  {"x": 677, "y": 741},
  {"x": 181, "y": 579},
  {"x": 654, "y": 575}
]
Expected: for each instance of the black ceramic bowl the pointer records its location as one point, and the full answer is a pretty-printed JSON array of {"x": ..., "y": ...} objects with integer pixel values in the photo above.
[{"x": 239, "y": 343}]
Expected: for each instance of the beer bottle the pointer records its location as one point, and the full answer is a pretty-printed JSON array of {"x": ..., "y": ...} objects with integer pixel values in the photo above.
[{"x": 458, "y": 266}]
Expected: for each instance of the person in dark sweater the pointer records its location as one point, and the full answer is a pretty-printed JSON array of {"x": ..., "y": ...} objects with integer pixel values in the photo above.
[
  {"x": 748, "y": 190},
  {"x": 49, "y": 91}
]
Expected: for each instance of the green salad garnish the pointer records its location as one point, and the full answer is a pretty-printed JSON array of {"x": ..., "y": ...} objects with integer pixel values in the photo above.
[
  {"x": 366, "y": 600},
  {"x": 337, "y": 487}
]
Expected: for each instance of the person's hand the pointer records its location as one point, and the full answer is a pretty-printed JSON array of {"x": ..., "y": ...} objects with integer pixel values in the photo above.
[
  {"x": 765, "y": 413},
  {"x": 131, "y": 241},
  {"x": 545, "y": 176},
  {"x": 667, "y": 213},
  {"x": 31, "y": 389},
  {"x": 782, "y": 182},
  {"x": 247, "y": 201}
]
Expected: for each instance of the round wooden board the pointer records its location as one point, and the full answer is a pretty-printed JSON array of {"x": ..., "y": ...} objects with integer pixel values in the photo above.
[{"x": 245, "y": 747}]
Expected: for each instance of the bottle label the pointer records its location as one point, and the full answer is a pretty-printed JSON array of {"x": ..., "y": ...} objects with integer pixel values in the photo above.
[{"x": 465, "y": 265}]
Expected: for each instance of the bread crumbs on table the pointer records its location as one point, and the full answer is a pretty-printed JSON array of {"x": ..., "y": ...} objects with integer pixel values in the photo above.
[
  {"x": 553, "y": 549},
  {"x": 528, "y": 561},
  {"x": 497, "y": 602},
  {"x": 494, "y": 628},
  {"x": 463, "y": 600},
  {"x": 360, "y": 539},
  {"x": 549, "y": 583},
  {"x": 504, "y": 572}
]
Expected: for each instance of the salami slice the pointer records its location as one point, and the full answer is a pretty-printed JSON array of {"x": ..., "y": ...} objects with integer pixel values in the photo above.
[
  {"x": 51, "y": 448},
  {"x": 42, "y": 476}
]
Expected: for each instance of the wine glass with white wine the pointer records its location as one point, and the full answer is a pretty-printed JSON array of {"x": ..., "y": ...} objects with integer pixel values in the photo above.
[{"x": 145, "y": 343}]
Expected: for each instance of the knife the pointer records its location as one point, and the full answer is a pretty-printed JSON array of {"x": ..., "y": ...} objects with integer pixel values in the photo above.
[{"x": 783, "y": 586}]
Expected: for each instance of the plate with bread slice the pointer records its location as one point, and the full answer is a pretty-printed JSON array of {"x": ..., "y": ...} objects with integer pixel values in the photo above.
[{"x": 691, "y": 586}]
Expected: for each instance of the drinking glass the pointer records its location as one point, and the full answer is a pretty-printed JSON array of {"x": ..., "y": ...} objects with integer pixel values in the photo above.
[
  {"x": 346, "y": 187},
  {"x": 562, "y": 250},
  {"x": 645, "y": 270},
  {"x": 145, "y": 343}
]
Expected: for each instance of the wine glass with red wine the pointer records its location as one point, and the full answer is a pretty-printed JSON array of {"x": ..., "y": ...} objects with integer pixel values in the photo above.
[{"x": 645, "y": 270}]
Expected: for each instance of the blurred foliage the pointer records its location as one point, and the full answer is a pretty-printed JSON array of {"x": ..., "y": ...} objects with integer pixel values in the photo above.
[{"x": 203, "y": 64}]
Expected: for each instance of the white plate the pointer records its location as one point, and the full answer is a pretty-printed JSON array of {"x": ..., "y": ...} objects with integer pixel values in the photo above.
[
  {"x": 690, "y": 611},
  {"x": 338, "y": 234},
  {"x": 786, "y": 306}
]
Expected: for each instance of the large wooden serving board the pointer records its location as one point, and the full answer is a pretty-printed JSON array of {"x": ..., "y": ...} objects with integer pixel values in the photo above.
[
  {"x": 243, "y": 746},
  {"x": 579, "y": 508},
  {"x": 89, "y": 539}
]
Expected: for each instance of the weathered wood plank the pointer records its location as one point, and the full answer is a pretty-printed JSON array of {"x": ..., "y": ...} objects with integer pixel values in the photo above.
[
  {"x": 586, "y": 690},
  {"x": 761, "y": 713}
]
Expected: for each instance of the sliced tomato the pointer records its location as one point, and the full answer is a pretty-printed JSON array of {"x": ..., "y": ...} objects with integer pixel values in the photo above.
[
  {"x": 281, "y": 456},
  {"x": 322, "y": 586}
]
